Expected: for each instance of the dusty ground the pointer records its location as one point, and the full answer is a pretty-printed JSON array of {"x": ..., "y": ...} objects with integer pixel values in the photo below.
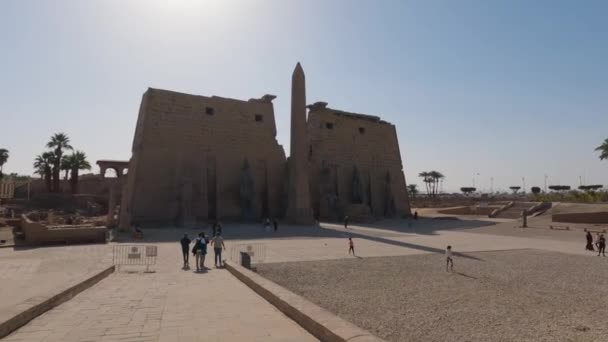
[
  {"x": 562, "y": 208},
  {"x": 524, "y": 295}
]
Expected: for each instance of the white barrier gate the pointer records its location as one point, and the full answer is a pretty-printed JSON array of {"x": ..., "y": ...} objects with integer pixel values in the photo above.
[{"x": 144, "y": 255}]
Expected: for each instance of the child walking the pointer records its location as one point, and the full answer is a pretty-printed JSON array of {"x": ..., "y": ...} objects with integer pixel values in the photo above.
[
  {"x": 449, "y": 263},
  {"x": 351, "y": 246}
]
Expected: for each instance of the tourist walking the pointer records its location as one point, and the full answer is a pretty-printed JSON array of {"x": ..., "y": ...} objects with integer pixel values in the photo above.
[
  {"x": 415, "y": 215},
  {"x": 185, "y": 242},
  {"x": 351, "y": 246},
  {"x": 589, "y": 246},
  {"x": 218, "y": 244},
  {"x": 200, "y": 250},
  {"x": 276, "y": 224},
  {"x": 267, "y": 224},
  {"x": 345, "y": 222},
  {"x": 449, "y": 262},
  {"x": 601, "y": 245}
]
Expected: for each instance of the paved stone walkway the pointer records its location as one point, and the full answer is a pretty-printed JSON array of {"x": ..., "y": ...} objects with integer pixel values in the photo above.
[
  {"x": 30, "y": 272},
  {"x": 169, "y": 305}
]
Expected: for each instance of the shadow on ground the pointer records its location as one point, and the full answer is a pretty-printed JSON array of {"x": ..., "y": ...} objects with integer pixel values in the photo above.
[{"x": 382, "y": 232}]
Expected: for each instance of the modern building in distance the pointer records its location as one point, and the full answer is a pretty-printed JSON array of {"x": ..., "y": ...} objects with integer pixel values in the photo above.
[{"x": 198, "y": 158}]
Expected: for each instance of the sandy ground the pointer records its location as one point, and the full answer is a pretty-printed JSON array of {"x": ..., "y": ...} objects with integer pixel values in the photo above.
[
  {"x": 559, "y": 208},
  {"x": 525, "y": 295}
]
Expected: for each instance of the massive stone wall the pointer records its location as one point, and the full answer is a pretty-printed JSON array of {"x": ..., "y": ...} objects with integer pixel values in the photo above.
[
  {"x": 197, "y": 157},
  {"x": 356, "y": 167}
]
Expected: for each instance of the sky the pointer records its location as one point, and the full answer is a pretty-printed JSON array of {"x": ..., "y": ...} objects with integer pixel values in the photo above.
[{"x": 487, "y": 92}]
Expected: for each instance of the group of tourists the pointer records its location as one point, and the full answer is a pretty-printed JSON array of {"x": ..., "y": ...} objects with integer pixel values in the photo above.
[
  {"x": 267, "y": 223},
  {"x": 600, "y": 243},
  {"x": 199, "y": 249}
]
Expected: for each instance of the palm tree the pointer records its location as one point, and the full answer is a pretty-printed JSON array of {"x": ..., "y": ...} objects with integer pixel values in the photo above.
[
  {"x": 3, "y": 158},
  {"x": 426, "y": 178},
  {"x": 435, "y": 176},
  {"x": 78, "y": 161},
  {"x": 413, "y": 190},
  {"x": 58, "y": 142},
  {"x": 603, "y": 149},
  {"x": 43, "y": 164},
  {"x": 66, "y": 166}
]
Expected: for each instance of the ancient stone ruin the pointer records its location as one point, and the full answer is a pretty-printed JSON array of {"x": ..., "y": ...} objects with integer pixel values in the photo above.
[{"x": 208, "y": 158}]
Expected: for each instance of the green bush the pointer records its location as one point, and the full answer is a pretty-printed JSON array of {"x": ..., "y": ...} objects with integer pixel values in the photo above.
[{"x": 573, "y": 196}]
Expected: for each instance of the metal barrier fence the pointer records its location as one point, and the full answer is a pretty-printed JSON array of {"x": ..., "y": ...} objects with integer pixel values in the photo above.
[
  {"x": 144, "y": 255},
  {"x": 257, "y": 252}
]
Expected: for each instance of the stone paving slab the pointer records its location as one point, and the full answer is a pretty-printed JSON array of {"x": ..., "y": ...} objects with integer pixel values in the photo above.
[
  {"x": 19, "y": 315},
  {"x": 31, "y": 272},
  {"x": 169, "y": 305}
]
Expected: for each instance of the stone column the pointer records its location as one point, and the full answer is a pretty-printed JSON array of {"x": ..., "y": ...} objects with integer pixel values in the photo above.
[
  {"x": 111, "y": 204},
  {"x": 299, "y": 210},
  {"x": 124, "y": 222}
]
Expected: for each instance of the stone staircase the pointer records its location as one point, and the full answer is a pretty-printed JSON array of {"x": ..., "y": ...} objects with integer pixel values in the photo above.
[{"x": 514, "y": 212}]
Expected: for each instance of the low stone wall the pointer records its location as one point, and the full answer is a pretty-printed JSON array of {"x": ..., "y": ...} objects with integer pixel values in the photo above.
[
  {"x": 593, "y": 217},
  {"x": 19, "y": 315},
  {"x": 500, "y": 209},
  {"x": 319, "y": 322},
  {"x": 89, "y": 184},
  {"x": 37, "y": 233},
  {"x": 473, "y": 210},
  {"x": 13, "y": 222},
  {"x": 540, "y": 208}
]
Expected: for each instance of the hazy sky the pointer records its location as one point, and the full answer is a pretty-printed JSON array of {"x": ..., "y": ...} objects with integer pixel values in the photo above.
[{"x": 503, "y": 89}]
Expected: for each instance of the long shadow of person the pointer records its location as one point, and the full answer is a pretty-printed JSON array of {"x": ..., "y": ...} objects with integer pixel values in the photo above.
[{"x": 465, "y": 275}]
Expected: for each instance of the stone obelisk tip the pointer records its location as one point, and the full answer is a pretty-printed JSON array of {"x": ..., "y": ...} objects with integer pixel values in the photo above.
[{"x": 298, "y": 70}]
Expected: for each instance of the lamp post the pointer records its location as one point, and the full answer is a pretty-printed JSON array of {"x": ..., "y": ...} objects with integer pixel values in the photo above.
[{"x": 474, "y": 177}]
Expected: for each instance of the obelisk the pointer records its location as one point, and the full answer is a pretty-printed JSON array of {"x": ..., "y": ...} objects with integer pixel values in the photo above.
[{"x": 299, "y": 210}]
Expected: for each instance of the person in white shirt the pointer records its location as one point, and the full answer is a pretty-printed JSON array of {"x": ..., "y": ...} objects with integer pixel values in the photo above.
[
  {"x": 218, "y": 244},
  {"x": 449, "y": 263}
]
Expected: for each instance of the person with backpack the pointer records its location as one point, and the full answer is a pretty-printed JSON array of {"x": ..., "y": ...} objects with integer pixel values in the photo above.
[{"x": 200, "y": 250}]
